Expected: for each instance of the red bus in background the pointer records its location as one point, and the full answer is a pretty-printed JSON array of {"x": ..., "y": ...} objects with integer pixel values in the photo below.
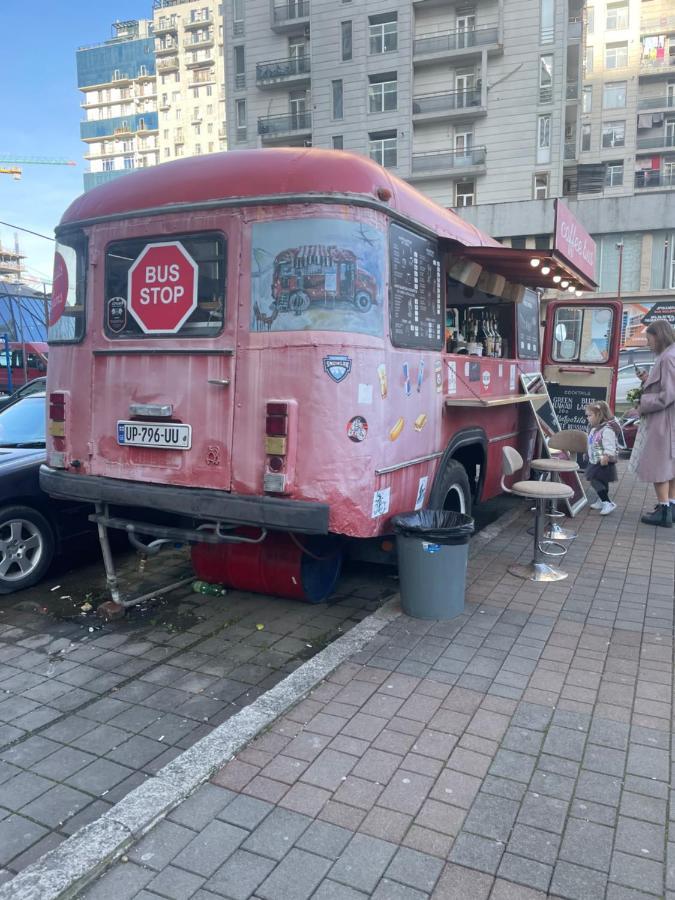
[
  {"x": 255, "y": 345},
  {"x": 26, "y": 361}
]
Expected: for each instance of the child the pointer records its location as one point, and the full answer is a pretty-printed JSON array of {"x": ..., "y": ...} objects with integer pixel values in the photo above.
[{"x": 601, "y": 470}]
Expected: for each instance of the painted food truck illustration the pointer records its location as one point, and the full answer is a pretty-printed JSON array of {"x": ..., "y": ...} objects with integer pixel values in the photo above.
[
  {"x": 187, "y": 414},
  {"x": 320, "y": 274}
]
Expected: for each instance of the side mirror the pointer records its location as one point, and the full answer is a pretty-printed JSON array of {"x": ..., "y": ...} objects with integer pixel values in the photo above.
[{"x": 560, "y": 333}]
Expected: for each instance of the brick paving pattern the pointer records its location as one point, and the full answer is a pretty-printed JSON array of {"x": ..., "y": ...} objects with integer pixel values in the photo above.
[
  {"x": 87, "y": 716},
  {"x": 522, "y": 750}
]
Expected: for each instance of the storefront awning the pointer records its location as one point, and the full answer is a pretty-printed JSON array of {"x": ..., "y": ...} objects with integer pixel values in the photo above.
[{"x": 547, "y": 269}]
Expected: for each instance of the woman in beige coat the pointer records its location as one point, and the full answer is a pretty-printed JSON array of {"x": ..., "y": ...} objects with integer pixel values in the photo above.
[{"x": 657, "y": 415}]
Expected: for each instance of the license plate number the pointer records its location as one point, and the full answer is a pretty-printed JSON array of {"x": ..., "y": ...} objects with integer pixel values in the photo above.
[{"x": 165, "y": 435}]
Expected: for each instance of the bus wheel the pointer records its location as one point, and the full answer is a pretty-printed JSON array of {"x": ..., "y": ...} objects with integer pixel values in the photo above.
[
  {"x": 363, "y": 301},
  {"x": 452, "y": 491},
  {"x": 298, "y": 302}
]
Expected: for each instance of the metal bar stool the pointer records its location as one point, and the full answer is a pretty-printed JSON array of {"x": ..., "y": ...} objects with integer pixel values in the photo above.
[
  {"x": 541, "y": 492},
  {"x": 574, "y": 442}
]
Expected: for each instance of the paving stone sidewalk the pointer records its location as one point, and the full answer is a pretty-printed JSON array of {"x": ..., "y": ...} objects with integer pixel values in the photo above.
[{"x": 522, "y": 750}]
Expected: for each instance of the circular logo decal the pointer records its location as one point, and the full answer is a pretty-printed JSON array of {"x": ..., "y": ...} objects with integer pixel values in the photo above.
[{"x": 357, "y": 429}]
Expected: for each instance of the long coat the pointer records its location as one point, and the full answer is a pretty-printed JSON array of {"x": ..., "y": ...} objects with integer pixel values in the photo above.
[{"x": 657, "y": 412}]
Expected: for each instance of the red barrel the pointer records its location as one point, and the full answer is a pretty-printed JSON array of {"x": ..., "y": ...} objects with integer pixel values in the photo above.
[{"x": 306, "y": 568}]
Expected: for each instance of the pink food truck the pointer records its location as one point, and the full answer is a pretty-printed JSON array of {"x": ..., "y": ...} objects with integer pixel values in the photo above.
[{"x": 263, "y": 352}]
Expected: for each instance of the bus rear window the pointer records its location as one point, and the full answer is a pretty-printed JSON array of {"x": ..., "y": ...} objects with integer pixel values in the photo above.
[
  {"x": 582, "y": 334},
  {"x": 66, "y": 309},
  {"x": 164, "y": 287}
]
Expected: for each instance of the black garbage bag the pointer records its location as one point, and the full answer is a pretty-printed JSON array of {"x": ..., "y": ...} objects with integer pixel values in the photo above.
[{"x": 438, "y": 526}]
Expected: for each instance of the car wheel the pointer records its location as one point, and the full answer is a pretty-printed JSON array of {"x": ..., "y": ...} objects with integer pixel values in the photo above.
[{"x": 26, "y": 547}]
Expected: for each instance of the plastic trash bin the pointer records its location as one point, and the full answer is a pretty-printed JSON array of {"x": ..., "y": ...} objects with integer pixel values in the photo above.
[{"x": 433, "y": 548}]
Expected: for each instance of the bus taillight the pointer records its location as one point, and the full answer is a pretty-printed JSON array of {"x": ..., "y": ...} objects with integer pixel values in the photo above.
[
  {"x": 276, "y": 424},
  {"x": 57, "y": 407},
  {"x": 276, "y": 446}
]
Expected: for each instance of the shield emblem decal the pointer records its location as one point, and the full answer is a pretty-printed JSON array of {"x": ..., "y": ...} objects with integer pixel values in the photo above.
[{"x": 337, "y": 367}]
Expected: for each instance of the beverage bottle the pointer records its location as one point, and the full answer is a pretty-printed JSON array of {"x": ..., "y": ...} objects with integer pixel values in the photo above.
[
  {"x": 213, "y": 590},
  {"x": 498, "y": 341}
]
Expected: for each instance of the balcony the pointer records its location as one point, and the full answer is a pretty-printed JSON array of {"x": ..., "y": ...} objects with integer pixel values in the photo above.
[
  {"x": 281, "y": 72},
  {"x": 455, "y": 45},
  {"x": 428, "y": 166},
  {"x": 202, "y": 61},
  {"x": 574, "y": 30},
  {"x": 167, "y": 65},
  {"x": 657, "y": 102},
  {"x": 274, "y": 128},
  {"x": 657, "y": 67},
  {"x": 198, "y": 23},
  {"x": 448, "y": 105},
  {"x": 657, "y": 142},
  {"x": 290, "y": 16},
  {"x": 654, "y": 178},
  {"x": 164, "y": 26},
  {"x": 168, "y": 47},
  {"x": 198, "y": 44}
]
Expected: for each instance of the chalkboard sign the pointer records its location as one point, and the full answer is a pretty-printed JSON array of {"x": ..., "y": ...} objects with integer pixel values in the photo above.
[
  {"x": 416, "y": 311},
  {"x": 570, "y": 400},
  {"x": 528, "y": 326},
  {"x": 548, "y": 425}
]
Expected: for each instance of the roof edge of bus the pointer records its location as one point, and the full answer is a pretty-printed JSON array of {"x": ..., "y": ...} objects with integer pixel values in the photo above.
[{"x": 281, "y": 173}]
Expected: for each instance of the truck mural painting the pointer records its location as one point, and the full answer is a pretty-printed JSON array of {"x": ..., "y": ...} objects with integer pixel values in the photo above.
[{"x": 332, "y": 279}]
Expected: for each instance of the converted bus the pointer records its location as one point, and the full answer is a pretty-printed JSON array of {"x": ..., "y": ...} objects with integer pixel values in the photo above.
[{"x": 251, "y": 350}]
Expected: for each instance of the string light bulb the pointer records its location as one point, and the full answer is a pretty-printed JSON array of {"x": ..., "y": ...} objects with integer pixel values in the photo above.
[
  {"x": 556, "y": 278},
  {"x": 564, "y": 284},
  {"x": 545, "y": 270},
  {"x": 534, "y": 262}
]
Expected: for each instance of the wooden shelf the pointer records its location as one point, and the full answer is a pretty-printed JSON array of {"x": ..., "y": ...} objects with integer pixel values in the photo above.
[{"x": 487, "y": 402}]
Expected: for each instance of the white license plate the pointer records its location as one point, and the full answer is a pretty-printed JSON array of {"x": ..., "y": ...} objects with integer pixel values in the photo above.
[{"x": 165, "y": 435}]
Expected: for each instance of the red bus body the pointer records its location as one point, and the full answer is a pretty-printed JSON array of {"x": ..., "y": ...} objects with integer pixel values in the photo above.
[
  {"x": 304, "y": 416},
  {"x": 27, "y": 360}
]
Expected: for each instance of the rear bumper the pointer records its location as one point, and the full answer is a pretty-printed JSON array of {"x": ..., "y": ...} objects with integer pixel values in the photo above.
[{"x": 199, "y": 503}]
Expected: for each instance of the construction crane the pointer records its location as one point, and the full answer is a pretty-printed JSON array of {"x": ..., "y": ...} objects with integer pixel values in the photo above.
[{"x": 16, "y": 171}]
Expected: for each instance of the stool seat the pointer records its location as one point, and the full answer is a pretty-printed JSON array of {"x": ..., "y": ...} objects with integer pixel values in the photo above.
[
  {"x": 554, "y": 465},
  {"x": 542, "y": 490}
]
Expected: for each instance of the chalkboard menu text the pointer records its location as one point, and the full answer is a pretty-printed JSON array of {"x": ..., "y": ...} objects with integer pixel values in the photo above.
[
  {"x": 528, "y": 326},
  {"x": 416, "y": 314},
  {"x": 570, "y": 400}
]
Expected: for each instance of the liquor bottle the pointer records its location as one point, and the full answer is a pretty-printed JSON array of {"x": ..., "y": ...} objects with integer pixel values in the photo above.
[
  {"x": 498, "y": 340},
  {"x": 213, "y": 590},
  {"x": 489, "y": 337}
]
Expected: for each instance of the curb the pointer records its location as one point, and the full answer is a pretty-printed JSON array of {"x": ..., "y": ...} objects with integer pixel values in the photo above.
[{"x": 64, "y": 871}]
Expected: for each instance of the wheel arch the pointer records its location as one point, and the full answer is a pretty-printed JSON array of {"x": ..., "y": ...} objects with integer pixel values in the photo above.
[{"x": 470, "y": 448}]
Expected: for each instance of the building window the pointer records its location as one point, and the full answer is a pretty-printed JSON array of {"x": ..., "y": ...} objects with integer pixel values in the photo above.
[
  {"x": 586, "y": 136},
  {"x": 543, "y": 139},
  {"x": 108, "y": 165},
  {"x": 616, "y": 56},
  {"x": 614, "y": 134},
  {"x": 541, "y": 186},
  {"x": 238, "y": 17},
  {"x": 338, "y": 143},
  {"x": 590, "y": 20},
  {"x": 240, "y": 113},
  {"x": 465, "y": 193},
  {"x": 588, "y": 61},
  {"x": 142, "y": 70},
  {"x": 614, "y": 95},
  {"x": 336, "y": 87},
  {"x": 383, "y": 33},
  {"x": 617, "y": 16},
  {"x": 382, "y": 148},
  {"x": 547, "y": 23},
  {"x": 239, "y": 67},
  {"x": 128, "y": 162},
  {"x": 346, "y": 38},
  {"x": 198, "y": 149},
  {"x": 587, "y": 99},
  {"x": 614, "y": 174},
  {"x": 546, "y": 78},
  {"x": 382, "y": 92}
]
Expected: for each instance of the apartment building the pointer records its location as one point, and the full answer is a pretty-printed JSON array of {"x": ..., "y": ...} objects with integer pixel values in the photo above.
[
  {"x": 470, "y": 101},
  {"x": 117, "y": 79},
  {"x": 188, "y": 43}
]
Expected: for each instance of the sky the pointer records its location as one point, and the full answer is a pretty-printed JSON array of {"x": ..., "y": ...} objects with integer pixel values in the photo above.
[{"x": 41, "y": 111}]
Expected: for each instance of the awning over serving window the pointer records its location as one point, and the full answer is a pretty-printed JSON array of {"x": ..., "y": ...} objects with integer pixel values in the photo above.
[{"x": 546, "y": 269}]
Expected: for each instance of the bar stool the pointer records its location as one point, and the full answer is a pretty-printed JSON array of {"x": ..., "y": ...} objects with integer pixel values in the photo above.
[
  {"x": 574, "y": 442},
  {"x": 541, "y": 492}
]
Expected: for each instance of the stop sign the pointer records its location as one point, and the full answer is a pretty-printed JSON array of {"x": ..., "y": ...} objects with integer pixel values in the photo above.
[{"x": 162, "y": 287}]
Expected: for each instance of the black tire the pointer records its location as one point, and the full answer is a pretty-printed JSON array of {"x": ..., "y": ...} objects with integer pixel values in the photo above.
[
  {"x": 363, "y": 301},
  {"x": 451, "y": 489},
  {"x": 27, "y": 546},
  {"x": 298, "y": 302}
]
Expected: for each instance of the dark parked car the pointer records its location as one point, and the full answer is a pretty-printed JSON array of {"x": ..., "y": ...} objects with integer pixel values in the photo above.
[
  {"x": 36, "y": 386},
  {"x": 33, "y": 527}
]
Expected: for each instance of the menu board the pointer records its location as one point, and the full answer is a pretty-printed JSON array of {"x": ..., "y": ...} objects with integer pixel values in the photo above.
[
  {"x": 416, "y": 311},
  {"x": 528, "y": 326},
  {"x": 570, "y": 401}
]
